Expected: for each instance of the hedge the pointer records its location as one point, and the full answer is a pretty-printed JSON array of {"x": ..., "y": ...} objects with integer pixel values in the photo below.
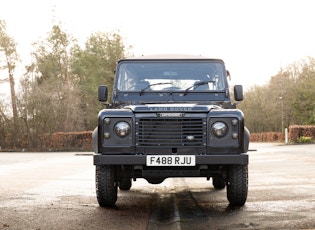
[
  {"x": 300, "y": 131},
  {"x": 82, "y": 141},
  {"x": 267, "y": 137},
  {"x": 71, "y": 141},
  {"x": 296, "y": 132}
]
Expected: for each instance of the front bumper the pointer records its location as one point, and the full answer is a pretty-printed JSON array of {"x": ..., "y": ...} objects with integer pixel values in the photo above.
[{"x": 226, "y": 159}]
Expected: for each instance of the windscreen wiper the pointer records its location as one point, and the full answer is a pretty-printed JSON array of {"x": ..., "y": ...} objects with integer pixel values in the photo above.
[
  {"x": 148, "y": 86},
  {"x": 197, "y": 84}
]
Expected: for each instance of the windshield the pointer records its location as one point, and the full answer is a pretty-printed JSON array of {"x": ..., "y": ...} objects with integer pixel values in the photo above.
[{"x": 140, "y": 76}]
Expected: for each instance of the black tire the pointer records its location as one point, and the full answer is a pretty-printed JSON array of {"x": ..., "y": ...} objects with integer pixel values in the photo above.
[
  {"x": 237, "y": 186},
  {"x": 106, "y": 187},
  {"x": 218, "y": 182},
  {"x": 125, "y": 184}
]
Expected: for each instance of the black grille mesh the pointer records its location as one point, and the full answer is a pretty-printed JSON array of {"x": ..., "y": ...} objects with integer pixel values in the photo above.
[{"x": 171, "y": 132}]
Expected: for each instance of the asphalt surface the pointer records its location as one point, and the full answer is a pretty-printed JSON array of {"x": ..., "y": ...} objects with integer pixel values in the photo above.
[{"x": 57, "y": 191}]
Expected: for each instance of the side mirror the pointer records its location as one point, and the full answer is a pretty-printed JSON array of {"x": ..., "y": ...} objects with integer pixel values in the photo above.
[
  {"x": 102, "y": 93},
  {"x": 238, "y": 92}
]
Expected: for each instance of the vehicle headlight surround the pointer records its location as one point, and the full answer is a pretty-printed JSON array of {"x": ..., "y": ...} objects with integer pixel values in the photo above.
[
  {"x": 219, "y": 129},
  {"x": 122, "y": 128}
]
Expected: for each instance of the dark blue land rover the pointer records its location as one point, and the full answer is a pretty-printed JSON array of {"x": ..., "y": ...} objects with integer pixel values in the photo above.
[{"x": 170, "y": 116}]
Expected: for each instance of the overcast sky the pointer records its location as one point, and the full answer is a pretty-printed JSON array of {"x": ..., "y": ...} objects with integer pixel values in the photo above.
[{"x": 255, "y": 38}]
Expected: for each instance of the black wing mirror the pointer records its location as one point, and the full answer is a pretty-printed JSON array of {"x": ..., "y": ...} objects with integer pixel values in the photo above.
[
  {"x": 102, "y": 93},
  {"x": 238, "y": 92}
]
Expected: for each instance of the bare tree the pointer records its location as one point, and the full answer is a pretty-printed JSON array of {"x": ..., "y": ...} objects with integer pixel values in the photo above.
[{"x": 9, "y": 58}]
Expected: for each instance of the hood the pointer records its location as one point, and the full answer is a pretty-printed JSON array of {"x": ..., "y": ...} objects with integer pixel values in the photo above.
[{"x": 171, "y": 108}]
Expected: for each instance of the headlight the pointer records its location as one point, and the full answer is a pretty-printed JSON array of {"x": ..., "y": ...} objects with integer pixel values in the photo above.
[
  {"x": 122, "y": 129},
  {"x": 219, "y": 129}
]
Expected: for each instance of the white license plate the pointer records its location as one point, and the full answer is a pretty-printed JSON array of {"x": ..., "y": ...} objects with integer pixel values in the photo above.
[{"x": 171, "y": 160}]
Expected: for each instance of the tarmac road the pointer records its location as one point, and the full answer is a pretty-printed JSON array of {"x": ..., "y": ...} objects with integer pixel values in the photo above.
[{"x": 57, "y": 191}]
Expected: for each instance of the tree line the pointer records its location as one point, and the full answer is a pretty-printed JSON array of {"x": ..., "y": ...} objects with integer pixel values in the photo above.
[
  {"x": 287, "y": 99},
  {"x": 58, "y": 89}
]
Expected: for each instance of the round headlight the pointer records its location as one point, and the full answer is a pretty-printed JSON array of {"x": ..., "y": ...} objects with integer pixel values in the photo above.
[
  {"x": 219, "y": 129},
  {"x": 122, "y": 129}
]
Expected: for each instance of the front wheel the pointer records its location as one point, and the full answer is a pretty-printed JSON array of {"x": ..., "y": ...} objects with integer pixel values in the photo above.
[
  {"x": 106, "y": 187},
  {"x": 237, "y": 186}
]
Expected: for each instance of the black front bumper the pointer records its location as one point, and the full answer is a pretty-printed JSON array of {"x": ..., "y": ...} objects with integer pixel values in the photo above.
[{"x": 226, "y": 159}]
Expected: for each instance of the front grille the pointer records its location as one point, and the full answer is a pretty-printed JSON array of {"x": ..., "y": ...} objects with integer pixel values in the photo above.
[{"x": 171, "y": 132}]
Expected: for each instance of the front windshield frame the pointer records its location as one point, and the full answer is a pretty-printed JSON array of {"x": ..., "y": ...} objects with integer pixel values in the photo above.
[{"x": 170, "y": 75}]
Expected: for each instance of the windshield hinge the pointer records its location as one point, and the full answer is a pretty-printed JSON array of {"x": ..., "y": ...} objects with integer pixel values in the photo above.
[
  {"x": 114, "y": 94},
  {"x": 226, "y": 92}
]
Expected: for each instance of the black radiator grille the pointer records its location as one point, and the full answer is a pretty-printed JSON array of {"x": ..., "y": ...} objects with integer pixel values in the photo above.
[{"x": 171, "y": 132}]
